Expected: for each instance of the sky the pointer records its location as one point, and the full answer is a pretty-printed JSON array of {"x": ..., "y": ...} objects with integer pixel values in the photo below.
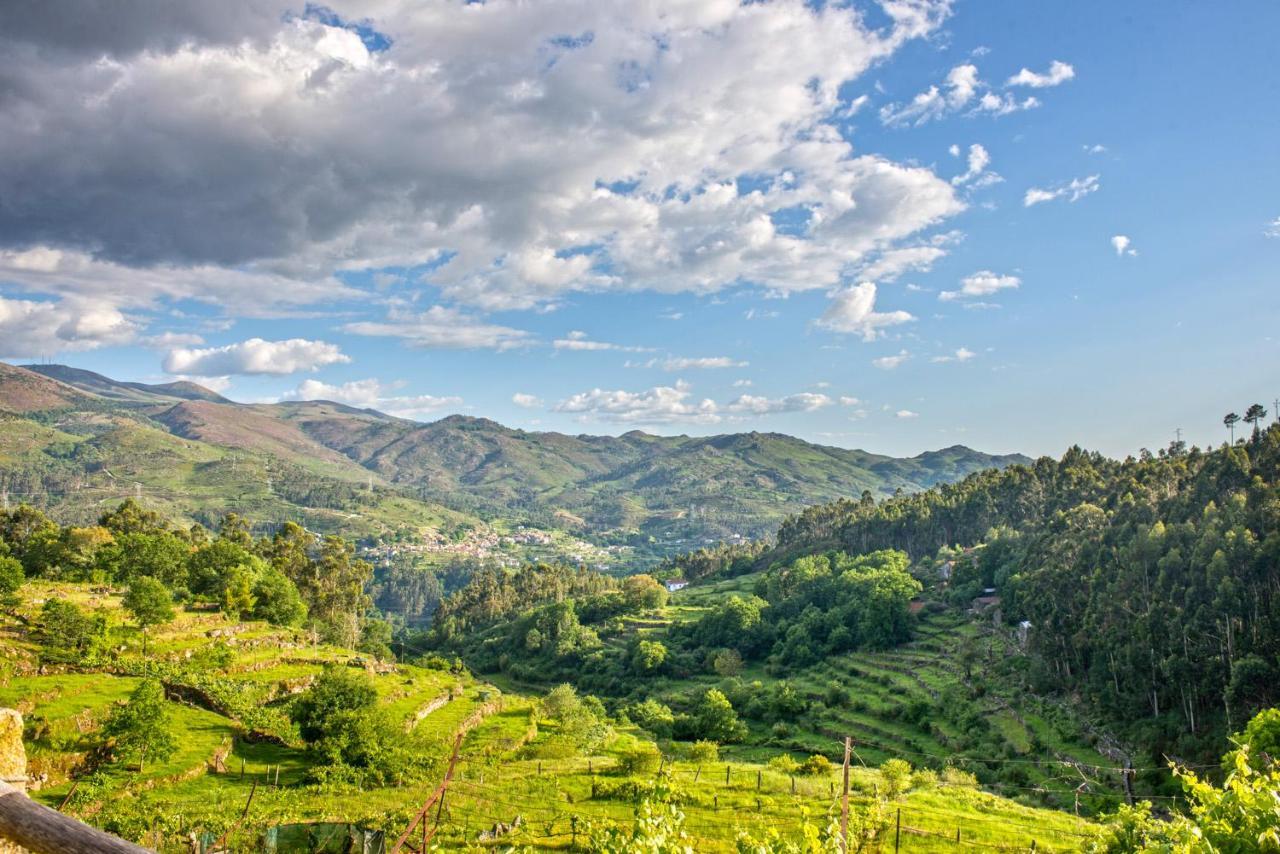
[{"x": 896, "y": 226}]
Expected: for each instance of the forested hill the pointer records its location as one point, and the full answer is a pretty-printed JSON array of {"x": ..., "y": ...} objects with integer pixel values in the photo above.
[
  {"x": 1151, "y": 585},
  {"x": 72, "y": 435}
]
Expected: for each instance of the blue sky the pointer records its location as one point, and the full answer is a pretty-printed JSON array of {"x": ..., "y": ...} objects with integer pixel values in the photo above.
[{"x": 550, "y": 220}]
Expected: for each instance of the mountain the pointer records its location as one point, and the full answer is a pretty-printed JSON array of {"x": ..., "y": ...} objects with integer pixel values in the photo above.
[{"x": 672, "y": 491}]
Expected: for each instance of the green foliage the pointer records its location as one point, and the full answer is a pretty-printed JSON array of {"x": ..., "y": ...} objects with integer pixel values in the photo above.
[
  {"x": 149, "y": 603},
  {"x": 66, "y": 634},
  {"x": 658, "y": 829},
  {"x": 643, "y": 758},
  {"x": 643, "y": 593},
  {"x": 816, "y": 765},
  {"x": 648, "y": 656},
  {"x": 579, "y": 720},
  {"x": 702, "y": 752},
  {"x": 276, "y": 599},
  {"x": 784, "y": 763},
  {"x": 11, "y": 580},
  {"x": 140, "y": 728},
  {"x": 895, "y": 777},
  {"x": 1243, "y": 814},
  {"x": 653, "y": 717},
  {"x": 337, "y": 693},
  {"x": 714, "y": 719}
]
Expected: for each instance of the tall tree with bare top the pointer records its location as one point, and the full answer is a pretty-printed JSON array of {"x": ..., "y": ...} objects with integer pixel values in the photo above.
[
  {"x": 1254, "y": 415},
  {"x": 1230, "y": 421}
]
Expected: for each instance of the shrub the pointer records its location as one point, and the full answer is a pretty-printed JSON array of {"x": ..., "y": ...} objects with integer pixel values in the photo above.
[
  {"x": 895, "y": 778},
  {"x": 953, "y": 776},
  {"x": 644, "y": 758},
  {"x": 784, "y": 764},
  {"x": 815, "y": 765}
]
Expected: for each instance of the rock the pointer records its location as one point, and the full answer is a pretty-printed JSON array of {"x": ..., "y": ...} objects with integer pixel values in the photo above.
[{"x": 13, "y": 756}]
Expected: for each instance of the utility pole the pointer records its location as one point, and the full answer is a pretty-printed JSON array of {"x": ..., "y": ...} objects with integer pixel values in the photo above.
[
  {"x": 844, "y": 801},
  {"x": 1177, "y": 432}
]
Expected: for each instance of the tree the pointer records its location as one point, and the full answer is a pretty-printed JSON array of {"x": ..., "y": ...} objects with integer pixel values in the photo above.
[
  {"x": 337, "y": 690},
  {"x": 141, "y": 727},
  {"x": 895, "y": 774},
  {"x": 716, "y": 720},
  {"x": 11, "y": 580},
  {"x": 649, "y": 656},
  {"x": 276, "y": 599},
  {"x": 643, "y": 592},
  {"x": 67, "y": 634},
  {"x": 1254, "y": 416},
  {"x": 1230, "y": 420},
  {"x": 149, "y": 603},
  {"x": 208, "y": 565},
  {"x": 236, "y": 597},
  {"x": 704, "y": 752}
]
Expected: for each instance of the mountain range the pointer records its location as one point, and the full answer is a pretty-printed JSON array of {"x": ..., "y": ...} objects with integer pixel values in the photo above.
[{"x": 73, "y": 439}]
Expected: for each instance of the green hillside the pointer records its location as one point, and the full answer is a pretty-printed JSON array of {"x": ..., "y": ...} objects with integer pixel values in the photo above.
[{"x": 198, "y": 455}]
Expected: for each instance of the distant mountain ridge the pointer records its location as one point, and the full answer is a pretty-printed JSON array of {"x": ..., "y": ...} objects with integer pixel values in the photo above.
[{"x": 675, "y": 488}]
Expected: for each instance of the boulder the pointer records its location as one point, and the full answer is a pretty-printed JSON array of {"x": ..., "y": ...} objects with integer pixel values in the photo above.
[{"x": 13, "y": 756}]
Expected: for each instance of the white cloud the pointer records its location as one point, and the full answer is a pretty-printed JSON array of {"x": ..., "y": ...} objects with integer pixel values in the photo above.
[
  {"x": 845, "y": 400},
  {"x": 852, "y": 310},
  {"x": 663, "y": 404},
  {"x": 981, "y": 284},
  {"x": 372, "y": 394},
  {"x": 894, "y": 262},
  {"x": 254, "y": 356},
  {"x": 742, "y": 383},
  {"x": 963, "y": 354},
  {"x": 1073, "y": 191},
  {"x": 1273, "y": 228},
  {"x": 578, "y": 340},
  {"x": 1059, "y": 72},
  {"x": 713, "y": 362},
  {"x": 957, "y": 91},
  {"x": 906, "y": 413},
  {"x": 888, "y": 363},
  {"x": 165, "y": 340},
  {"x": 979, "y": 160},
  {"x": 676, "y": 404},
  {"x": 1096, "y": 148},
  {"x": 962, "y": 91},
  {"x": 32, "y": 328},
  {"x": 755, "y": 405},
  {"x": 218, "y": 384},
  {"x": 442, "y": 328},
  {"x": 513, "y": 164},
  {"x": 526, "y": 401},
  {"x": 1122, "y": 245}
]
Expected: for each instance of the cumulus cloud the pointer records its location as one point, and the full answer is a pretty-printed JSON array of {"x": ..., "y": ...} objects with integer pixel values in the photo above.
[
  {"x": 981, "y": 284},
  {"x": 526, "y": 401},
  {"x": 977, "y": 173},
  {"x": 962, "y": 91},
  {"x": 1059, "y": 72},
  {"x": 756, "y": 405},
  {"x": 254, "y": 356},
  {"x": 578, "y": 340},
  {"x": 166, "y": 340},
  {"x": 963, "y": 354},
  {"x": 676, "y": 404},
  {"x": 852, "y": 310},
  {"x": 678, "y": 363},
  {"x": 442, "y": 328},
  {"x": 660, "y": 405},
  {"x": 1123, "y": 245},
  {"x": 511, "y": 163},
  {"x": 372, "y": 394},
  {"x": 888, "y": 363},
  {"x": 1072, "y": 191},
  {"x": 906, "y": 413},
  {"x": 34, "y": 328},
  {"x": 846, "y": 400},
  {"x": 1273, "y": 228}
]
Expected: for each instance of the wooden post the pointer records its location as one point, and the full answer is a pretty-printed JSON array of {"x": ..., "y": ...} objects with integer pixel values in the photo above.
[
  {"x": 1128, "y": 781},
  {"x": 726, "y": 775},
  {"x": 759, "y": 776},
  {"x": 957, "y": 834},
  {"x": 844, "y": 802},
  {"x": 897, "y": 830},
  {"x": 277, "y": 776},
  {"x": 793, "y": 784},
  {"x": 39, "y": 829},
  {"x": 437, "y": 795},
  {"x": 241, "y": 767}
]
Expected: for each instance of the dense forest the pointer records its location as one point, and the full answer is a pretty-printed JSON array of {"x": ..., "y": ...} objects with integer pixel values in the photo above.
[{"x": 1151, "y": 585}]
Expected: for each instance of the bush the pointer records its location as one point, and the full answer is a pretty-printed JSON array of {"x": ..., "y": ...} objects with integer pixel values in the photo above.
[
  {"x": 815, "y": 765},
  {"x": 895, "y": 778},
  {"x": 644, "y": 758},
  {"x": 953, "y": 776},
  {"x": 784, "y": 764}
]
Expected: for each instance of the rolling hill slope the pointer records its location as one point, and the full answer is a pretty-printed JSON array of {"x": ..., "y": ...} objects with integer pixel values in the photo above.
[{"x": 664, "y": 492}]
